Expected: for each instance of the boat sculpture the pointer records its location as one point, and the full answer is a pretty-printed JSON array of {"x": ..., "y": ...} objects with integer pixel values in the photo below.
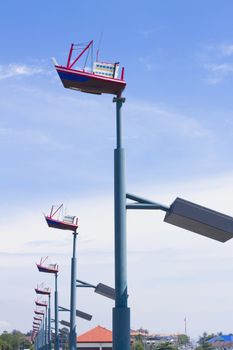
[
  {"x": 42, "y": 290},
  {"x": 67, "y": 222},
  {"x": 101, "y": 79},
  {"x": 41, "y": 303},
  {"x": 37, "y": 318},
  {"x": 49, "y": 268},
  {"x": 39, "y": 312}
]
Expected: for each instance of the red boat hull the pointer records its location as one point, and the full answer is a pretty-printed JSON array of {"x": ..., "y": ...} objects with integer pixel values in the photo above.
[
  {"x": 40, "y": 304},
  {"x": 39, "y": 312},
  {"x": 40, "y": 291},
  {"x": 60, "y": 224},
  {"x": 46, "y": 269},
  {"x": 89, "y": 82}
]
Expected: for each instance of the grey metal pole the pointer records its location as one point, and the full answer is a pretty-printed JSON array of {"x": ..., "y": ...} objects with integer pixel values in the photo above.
[
  {"x": 46, "y": 329},
  {"x": 43, "y": 332},
  {"x": 121, "y": 312},
  {"x": 49, "y": 323},
  {"x": 73, "y": 335},
  {"x": 56, "y": 314}
]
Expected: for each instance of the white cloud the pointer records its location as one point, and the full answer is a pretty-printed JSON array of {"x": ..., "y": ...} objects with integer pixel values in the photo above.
[
  {"x": 13, "y": 70},
  {"x": 146, "y": 33},
  {"x": 169, "y": 120},
  {"x": 29, "y": 137},
  {"x": 223, "y": 68},
  {"x": 171, "y": 272},
  {"x": 217, "y": 61},
  {"x": 225, "y": 49},
  {"x": 148, "y": 63},
  {"x": 218, "y": 72}
]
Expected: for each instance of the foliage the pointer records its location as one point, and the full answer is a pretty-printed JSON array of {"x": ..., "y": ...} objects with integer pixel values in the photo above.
[
  {"x": 138, "y": 345},
  {"x": 183, "y": 339},
  {"x": 14, "y": 341},
  {"x": 205, "y": 337},
  {"x": 142, "y": 330},
  {"x": 166, "y": 346},
  {"x": 203, "y": 344}
]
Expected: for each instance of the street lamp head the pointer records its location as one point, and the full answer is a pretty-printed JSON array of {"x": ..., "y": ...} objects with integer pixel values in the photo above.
[
  {"x": 83, "y": 315},
  {"x": 201, "y": 220},
  {"x": 65, "y": 323},
  {"x": 106, "y": 291}
]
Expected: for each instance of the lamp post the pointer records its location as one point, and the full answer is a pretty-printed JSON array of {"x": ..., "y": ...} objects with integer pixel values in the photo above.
[
  {"x": 51, "y": 269},
  {"x": 47, "y": 321},
  {"x": 41, "y": 333},
  {"x": 73, "y": 333},
  {"x": 181, "y": 213},
  {"x": 121, "y": 311},
  {"x": 68, "y": 222},
  {"x": 56, "y": 342}
]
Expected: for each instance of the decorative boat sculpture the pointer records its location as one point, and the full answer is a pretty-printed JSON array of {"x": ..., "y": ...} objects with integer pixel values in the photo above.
[
  {"x": 39, "y": 312},
  {"x": 101, "y": 79},
  {"x": 48, "y": 268},
  {"x": 41, "y": 303},
  {"x": 67, "y": 222},
  {"x": 42, "y": 290}
]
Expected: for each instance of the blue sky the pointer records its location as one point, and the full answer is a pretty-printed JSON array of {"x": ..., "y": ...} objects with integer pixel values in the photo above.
[{"x": 57, "y": 146}]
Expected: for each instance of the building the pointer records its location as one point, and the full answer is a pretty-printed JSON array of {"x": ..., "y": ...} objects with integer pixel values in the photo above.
[
  {"x": 222, "y": 342},
  {"x": 98, "y": 338}
]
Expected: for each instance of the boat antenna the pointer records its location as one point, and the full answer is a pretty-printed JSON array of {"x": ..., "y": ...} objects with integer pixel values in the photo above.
[
  {"x": 98, "y": 48},
  {"x": 85, "y": 63}
]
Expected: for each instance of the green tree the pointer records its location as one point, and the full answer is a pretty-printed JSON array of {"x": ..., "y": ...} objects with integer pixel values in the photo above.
[
  {"x": 166, "y": 346},
  {"x": 138, "y": 345},
  {"x": 183, "y": 339},
  {"x": 205, "y": 337},
  {"x": 14, "y": 341},
  {"x": 203, "y": 341},
  {"x": 4, "y": 345}
]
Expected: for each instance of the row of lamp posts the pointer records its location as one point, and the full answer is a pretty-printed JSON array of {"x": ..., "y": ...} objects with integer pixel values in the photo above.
[
  {"x": 181, "y": 213},
  {"x": 42, "y": 319}
]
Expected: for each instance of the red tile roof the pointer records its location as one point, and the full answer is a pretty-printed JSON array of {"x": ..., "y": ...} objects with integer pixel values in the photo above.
[{"x": 96, "y": 335}]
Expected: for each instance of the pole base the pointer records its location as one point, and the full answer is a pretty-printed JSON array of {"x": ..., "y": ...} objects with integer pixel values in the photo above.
[{"x": 121, "y": 328}]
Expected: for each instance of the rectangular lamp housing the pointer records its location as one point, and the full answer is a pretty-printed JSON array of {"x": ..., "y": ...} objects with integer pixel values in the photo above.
[{"x": 201, "y": 220}]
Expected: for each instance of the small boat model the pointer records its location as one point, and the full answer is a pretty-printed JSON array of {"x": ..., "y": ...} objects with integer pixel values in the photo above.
[
  {"x": 41, "y": 303},
  {"x": 43, "y": 290},
  {"x": 39, "y": 312},
  {"x": 37, "y": 318},
  {"x": 67, "y": 222},
  {"x": 101, "y": 79},
  {"x": 49, "y": 268}
]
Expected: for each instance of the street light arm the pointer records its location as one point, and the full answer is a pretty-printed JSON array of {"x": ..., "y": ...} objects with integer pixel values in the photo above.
[
  {"x": 84, "y": 284},
  {"x": 61, "y": 308},
  {"x": 145, "y": 206},
  {"x": 143, "y": 203}
]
